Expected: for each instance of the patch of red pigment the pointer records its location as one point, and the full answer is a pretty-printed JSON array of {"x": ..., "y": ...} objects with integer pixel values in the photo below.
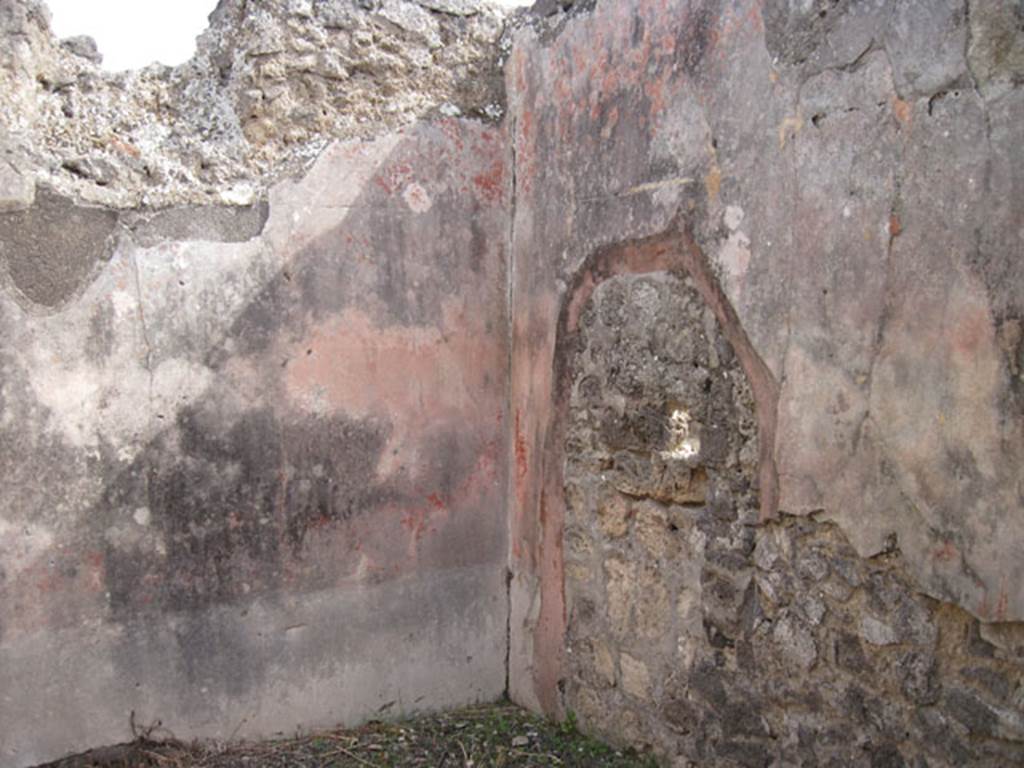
[
  {"x": 901, "y": 109},
  {"x": 522, "y": 464},
  {"x": 415, "y": 522},
  {"x": 95, "y": 571},
  {"x": 452, "y": 131},
  {"x": 491, "y": 183},
  {"x": 946, "y": 553},
  {"x": 1002, "y": 602},
  {"x": 972, "y": 332},
  {"x": 393, "y": 178},
  {"x": 321, "y": 522}
]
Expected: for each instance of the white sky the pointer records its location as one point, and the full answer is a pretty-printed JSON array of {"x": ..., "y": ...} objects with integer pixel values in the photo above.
[{"x": 133, "y": 33}]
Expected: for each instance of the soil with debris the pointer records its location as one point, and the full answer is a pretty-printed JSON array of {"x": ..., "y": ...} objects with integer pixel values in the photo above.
[{"x": 496, "y": 736}]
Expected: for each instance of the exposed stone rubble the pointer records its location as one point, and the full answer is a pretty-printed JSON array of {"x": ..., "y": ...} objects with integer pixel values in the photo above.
[
  {"x": 719, "y": 642},
  {"x": 272, "y": 82}
]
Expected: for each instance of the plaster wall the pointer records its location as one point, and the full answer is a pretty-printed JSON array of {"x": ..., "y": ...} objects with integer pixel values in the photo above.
[
  {"x": 849, "y": 174},
  {"x": 253, "y": 457}
]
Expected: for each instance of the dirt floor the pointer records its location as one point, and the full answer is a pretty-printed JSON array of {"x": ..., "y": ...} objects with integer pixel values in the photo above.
[{"x": 495, "y": 736}]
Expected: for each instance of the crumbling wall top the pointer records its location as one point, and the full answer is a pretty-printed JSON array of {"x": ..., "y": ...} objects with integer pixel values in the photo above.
[{"x": 271, "y": 83}]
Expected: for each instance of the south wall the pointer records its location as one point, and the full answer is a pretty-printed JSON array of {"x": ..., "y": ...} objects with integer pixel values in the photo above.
[{"x": 253, "y": 456}]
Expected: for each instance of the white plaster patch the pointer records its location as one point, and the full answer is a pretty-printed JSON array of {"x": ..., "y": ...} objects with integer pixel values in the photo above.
[
  {"x": 17, "y": 190},
  {"x": 142, "y": 516},
  {"x": 177, "y": 382},
  {"x": 654, "y": 186},
  {"x": 684, "y": 445},
  {"x": 22, "y": 544},
  {"x": 119, "y": 384},
  {"x": 302, "y": 209},
  {"x": 667, "y": 197},
  {"x": 688, "y": 603},
  {"x": 734, "y": 255},
  {"x": 417, "y": 199},
  {"x": 124, "y": 303},
  {"x": 239, "y": 194},
  {"x": 877, "y": 632},
  {"x": 71, "y": 394},
  {"x": 733, "y": 217},
  {"x": 315, "y": 401},
  {"x": 7, "y": 414},
  {"x": 119, "y": 400}
]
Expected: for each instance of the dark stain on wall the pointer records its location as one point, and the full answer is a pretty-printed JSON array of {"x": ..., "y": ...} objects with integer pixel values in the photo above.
[
  {"x": 51, "y": 248},
  {"x": 556, "y": 13},
  {"x": 218, "y": 223},
  {"x": 399, "y": 268},
  {"x": 795, "y": 36},
  {"x": 224, "y": 507},
  {"x": 99, "y": 344},
  {"x": 698, "y": 36}
]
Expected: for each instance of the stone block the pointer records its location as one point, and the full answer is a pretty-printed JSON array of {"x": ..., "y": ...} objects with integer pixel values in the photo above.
[
  {"x": 620, "y": 581},
  {"x": 795, "y": 642},
  {"x": 613, "y": 514},
  {"x": 636, "y": 678},
  {"x": 926, "y": 41},
  {"x": 604, "y": 662}
]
